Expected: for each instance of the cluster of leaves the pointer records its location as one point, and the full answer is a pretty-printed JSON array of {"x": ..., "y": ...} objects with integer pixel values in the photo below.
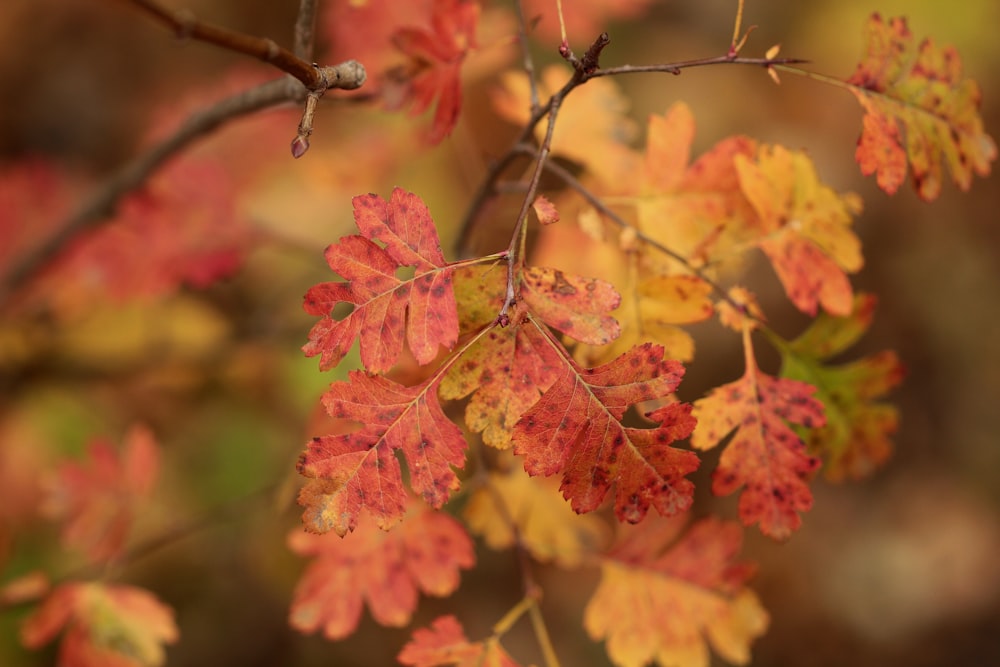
[{"x": 568, "y": 381}]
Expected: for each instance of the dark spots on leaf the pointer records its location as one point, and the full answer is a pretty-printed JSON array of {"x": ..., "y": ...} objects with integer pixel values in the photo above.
[{"x": 562, "y": 286}]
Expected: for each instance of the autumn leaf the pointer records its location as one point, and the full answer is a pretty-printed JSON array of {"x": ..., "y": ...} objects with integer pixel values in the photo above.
[
  {"x": 574, "y": 305},
  {"x": 385, "y": 570},
  {"x": 576, "y": 430},
  {"x": 593, "y": 129},
  {"x": 438, "y": 54},
  {"x": 765, "y": 456},
  {"x": 506, "y": 371},
  {"x": 805, "y": 228},
  {"x": 359, "y": 470},
  {"x": 444, "y": 644},
  {"x": 856, "y": 437},
  {"x": 105, "y": 625},
  {"x": 98, "y": 499},
  {"x": 584, "y": 21},
  {"x": 545, "y": 523},
  {"x": 665, "y": 598},
  {"x": 918, "y": 108},
  {"x": 385, "y": 307}
]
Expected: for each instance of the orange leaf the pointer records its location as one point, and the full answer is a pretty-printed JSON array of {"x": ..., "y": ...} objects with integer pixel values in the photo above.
[
  {"x": 576, "y": 430},
  {"x": 385, "y": 307},
  {"x": 661, "y": 603},
  {"x": 574, "y": 305},
  {"x": 444, "y": 644},
  {"x": 917, "y": 107},
  {"x": 805, "y": 228},
  {"x": 765, "y": 454},
  {"x": 386, "y": 570},
  {"x": 545, "y": 210},
  {"x": 359, "y": 470},
  {"x": 106, "y": 626},
  {"x": 99, "y": 499}
]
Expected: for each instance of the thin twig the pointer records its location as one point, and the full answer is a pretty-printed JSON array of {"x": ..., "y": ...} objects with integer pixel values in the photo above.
[
  {"x": 101, "y": 205},
  {"x": 187, "y": 26},
  {"x": 528, "y": 61},
  {"x": 305, "y": 29}
]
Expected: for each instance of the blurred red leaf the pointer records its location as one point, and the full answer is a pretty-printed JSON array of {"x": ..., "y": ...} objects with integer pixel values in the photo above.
[
  {"x": 359, "y": 470},
  {"x": 99, "y": 499},
  {"x": 765, "y": 455},
  {"x": 661, "y": 597},
  {"x": 385, "y": 307},
  {"x": 384, "y": 569},
  {"x": 576, "y": 429},
  {"x": 105, "y": 625},
  {"x": 444, "y": 644},
  {"x": 917, "y": 108}
]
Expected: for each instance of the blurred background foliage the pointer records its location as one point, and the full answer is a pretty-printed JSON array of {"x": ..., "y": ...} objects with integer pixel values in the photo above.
[{"x": 899, "y": 569}]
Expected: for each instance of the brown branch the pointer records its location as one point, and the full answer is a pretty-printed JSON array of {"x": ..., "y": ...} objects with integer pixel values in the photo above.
[
  {"x": 101, "y": 205},
  {"x": 584, "y": 69},
  {"x": 188, "y": 27},
  {"x": 305, "y": 29}
]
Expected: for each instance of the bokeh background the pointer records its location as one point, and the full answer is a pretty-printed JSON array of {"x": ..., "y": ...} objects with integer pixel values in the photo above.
[{"x": 899, "y": 569}]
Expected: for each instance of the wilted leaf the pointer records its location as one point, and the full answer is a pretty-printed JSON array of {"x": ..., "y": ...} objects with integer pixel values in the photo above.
[
  {"x": 384, "y": 569},
  {"x": 917, "y": 108}
]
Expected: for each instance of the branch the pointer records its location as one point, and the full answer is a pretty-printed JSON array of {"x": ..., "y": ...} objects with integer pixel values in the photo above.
[
  {"x": 305, "y": 29},
  {"x": 101, "y": 205},
  {"x": 187, "y": 26}
]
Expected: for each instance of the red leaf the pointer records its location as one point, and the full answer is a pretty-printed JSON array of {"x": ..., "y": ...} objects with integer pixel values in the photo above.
[
  {"x": 765, "y": 454},
  {"x": 386, "y": 570},
  {"x": 444, "y": 643},
  {"x": 99, "y": 499},
  {"x": 106, "y": 626},
  {"x": 385, "y": 307},
  {"x": 660, "y": 602},
  {"x": 576, "y": 430},
  {"x": 917, "y": 107},
  {"x": 359, "y": 470},
  {"x": 439, "y": 53}
]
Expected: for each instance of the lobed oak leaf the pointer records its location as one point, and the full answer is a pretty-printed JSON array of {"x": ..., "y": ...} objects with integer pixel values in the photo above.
[
  {"x": 105, "y": 625},
  {"x": 546, "y": 525},
  {"x": 576, "y": 430},
  {"x": 385, "y": 570},
  {"x": 385, "y": 307},
  {"x": 438, "y": 54},
  {"x": 856, "y": 437},
  {"x": 506, "y": 371},
  {"x": 665, "y": 599},
  {"x": 98, "y": 499},
  {"x": 574, "y": 305},
  {"x": 444, "y": 644},
  {"x": 805, "y": 228},
  {"x": 765, "y": 455},
  {"x": 918, "y": 108},
  {"x": 359, "y": 470}
]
